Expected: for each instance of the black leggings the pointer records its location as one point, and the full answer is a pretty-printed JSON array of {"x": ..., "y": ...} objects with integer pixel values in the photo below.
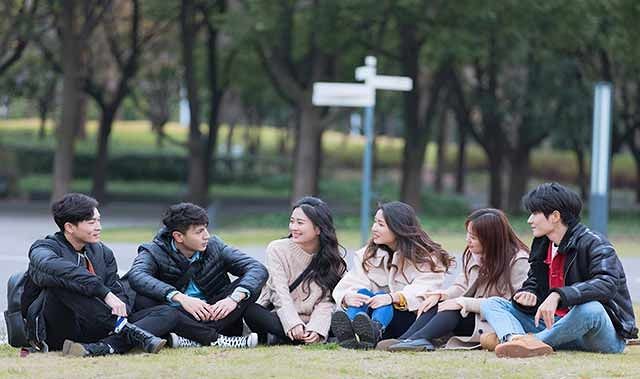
[
  {"x": 433, "y": 324},
  {"x": 262, "y": 321}
]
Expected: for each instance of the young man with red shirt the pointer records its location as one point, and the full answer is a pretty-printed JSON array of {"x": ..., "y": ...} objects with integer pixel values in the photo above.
[{"x": 575, "y": 296}]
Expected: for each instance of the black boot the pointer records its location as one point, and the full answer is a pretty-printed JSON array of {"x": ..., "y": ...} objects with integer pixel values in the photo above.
[
  {"x": 77, "y": 349},
  {"x": 141, "y": 338},
  {"x": 343, "y": 330},
  {"x": 369, "y": 331}
]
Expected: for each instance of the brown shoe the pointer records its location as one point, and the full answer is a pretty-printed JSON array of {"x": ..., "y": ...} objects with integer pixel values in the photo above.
[
  {"x": 523, "y": 347},
  {"x": 489, "y": 341},
  {"x": 384, "y": 344}
]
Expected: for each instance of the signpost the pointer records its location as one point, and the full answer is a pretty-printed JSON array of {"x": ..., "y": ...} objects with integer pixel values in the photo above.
[
  {"x": 361, "y": 95},
  {"x": 600, "y": 155}
]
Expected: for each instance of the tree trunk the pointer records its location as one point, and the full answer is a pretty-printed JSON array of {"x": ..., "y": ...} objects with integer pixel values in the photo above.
[
  {"x": 412, "y": 163},
  {"x": 42, "y": 131},
  {"x": 635, "y": 152},
  {"x": 100, "y": 171},
  {"x": 461, "y": 165},
  {"x": 197, "y": 186},
  {"x": 441, "y": 154},
  {"x": 307, "y": 155},
  {"x": 582, "y": 172},
  {"x": 215, "y": 97},
  {"x": 65, "y": 132},
  {"x": 519, "y": 176},
  {"x": 495, "y": 180},
  {"x": 229, "y": 143}
]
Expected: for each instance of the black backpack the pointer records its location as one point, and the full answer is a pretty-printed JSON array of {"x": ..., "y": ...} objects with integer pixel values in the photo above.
[{"x": 16, "y": 328}]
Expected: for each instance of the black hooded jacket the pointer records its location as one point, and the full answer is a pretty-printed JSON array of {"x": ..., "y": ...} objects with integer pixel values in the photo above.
[
  {"x": 592, "y": 272},
  {"x": 157, "y": 269}
]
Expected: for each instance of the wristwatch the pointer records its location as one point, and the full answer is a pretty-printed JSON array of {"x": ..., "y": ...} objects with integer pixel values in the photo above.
[{"x": 237, "y": 296}]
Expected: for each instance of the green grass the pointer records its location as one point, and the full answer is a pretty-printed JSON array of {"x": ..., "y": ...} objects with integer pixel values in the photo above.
[{"x": 326, "y": 361}]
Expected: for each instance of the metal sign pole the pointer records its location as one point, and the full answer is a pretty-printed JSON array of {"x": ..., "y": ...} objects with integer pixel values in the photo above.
[
  {"x": 367, "y": 169},
  {"x": 600, "y": 156}
]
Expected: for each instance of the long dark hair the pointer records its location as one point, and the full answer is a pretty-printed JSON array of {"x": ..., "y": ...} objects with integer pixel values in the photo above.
[
  {"x": 327, "y": 265},
  {"x": 412, "y": 242},
  {"x": 499, "y": 245}
]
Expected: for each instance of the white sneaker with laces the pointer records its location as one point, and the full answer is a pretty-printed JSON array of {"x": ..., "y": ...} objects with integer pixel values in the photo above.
[
  {"x": 179, "y": 341},
  {"x": 241, "y": 342}
]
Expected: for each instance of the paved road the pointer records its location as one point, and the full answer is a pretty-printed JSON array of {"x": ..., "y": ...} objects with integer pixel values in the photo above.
[{"x": 23, "y": 223}]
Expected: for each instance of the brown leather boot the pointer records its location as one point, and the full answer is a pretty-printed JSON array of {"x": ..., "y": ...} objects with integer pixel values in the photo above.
[
  {"x": 523, "y": 347},
  {"x": 489, "y": 341}
]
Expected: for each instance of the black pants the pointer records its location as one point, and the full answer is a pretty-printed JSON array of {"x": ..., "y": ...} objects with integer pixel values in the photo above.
[
  {"x": 204, "y": 332},
  {"x": 401, "y": 321},
  {"x": 262, "y": 321},
  {"x": 69, "y": 315},
  {"x": 434, "y": 324}
]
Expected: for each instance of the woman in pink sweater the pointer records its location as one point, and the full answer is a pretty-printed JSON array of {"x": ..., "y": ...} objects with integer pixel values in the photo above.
[
  {"x": 295, "y": 305},
  {"x": 381, "y": 295}
]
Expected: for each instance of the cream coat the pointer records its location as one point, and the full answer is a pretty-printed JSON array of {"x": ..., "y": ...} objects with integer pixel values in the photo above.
[
  {"x": 467, "y": 293},
  {"x": 411, "y": 282}
]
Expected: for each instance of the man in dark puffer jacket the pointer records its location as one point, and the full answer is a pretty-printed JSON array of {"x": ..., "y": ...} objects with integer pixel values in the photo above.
[
  {"x": 72, "y": 285},
  {"x": 575, "y": 296},
  {"x": 187, "y": 268}
]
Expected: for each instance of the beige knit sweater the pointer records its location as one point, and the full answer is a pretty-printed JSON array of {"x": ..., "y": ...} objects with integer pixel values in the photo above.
[{"x": 285, "y": 262}]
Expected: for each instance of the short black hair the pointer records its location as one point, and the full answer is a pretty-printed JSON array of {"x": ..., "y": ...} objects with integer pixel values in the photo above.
[
  {"x": 549, "y": 197},
  {"x": 179, "y": 217},
  {"x": 73, "y": 208}
]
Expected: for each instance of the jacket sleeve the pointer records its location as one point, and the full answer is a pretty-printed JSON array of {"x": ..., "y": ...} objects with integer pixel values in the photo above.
[
  {"x": 320, "y": 320},
  {"x": 47, "y": 269},
  {"x": 425, "y": 281},
  {"x": 112, "y": 279},
  {"x": 604, "y": 271},
  {"x": 281, "y": 299},
  {"x": 142, "y": 277},
  {"x": 252, "y": 275},
  {"x": 352, "y": 281},
  {"x": 459, "y": 287}
]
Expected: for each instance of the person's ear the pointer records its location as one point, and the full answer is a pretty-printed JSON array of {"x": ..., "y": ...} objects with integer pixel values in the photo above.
[
  {"x": 555, "y": 217},
  {"x": 177, "y": 236},
  {"x": 317, "y": 230},
  {"x": 69, "y": 227}
]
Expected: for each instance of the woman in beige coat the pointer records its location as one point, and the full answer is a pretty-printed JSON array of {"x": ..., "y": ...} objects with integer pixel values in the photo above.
[
  {"x": 495, "y": 263},
  {"x": 381, "y": 295}
]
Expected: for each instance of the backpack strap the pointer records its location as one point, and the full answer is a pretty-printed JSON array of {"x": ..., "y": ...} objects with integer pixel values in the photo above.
[{"x": 300, "y": 278}]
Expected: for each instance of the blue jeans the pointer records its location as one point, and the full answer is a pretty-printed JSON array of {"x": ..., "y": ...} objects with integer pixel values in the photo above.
[
  {"x": 383, "y": 315},
  {"x": 586, "y": 327}
]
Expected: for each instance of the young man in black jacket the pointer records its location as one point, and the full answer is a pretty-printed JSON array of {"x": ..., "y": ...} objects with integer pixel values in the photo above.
[
  {"x": 187, "y": 268},
  {"x": 73, "y": 297},
  {"x": 575, "y": 296}
]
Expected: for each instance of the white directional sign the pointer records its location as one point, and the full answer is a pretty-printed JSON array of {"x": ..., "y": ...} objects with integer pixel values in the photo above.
[
  {"x": 343, "y": 95},
  {"x": 393, "y": 83}
]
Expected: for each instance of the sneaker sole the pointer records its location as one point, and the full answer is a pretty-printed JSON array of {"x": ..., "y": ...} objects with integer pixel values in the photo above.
[
  {"x": 518, "y": 351},
  {"x": 341, "y": 327},
  {"x": 73, "y": 349},
  {"x": 364, "y": 329},
  {"x": 252, "y": 342},
  {"x": 158, "y": 347}
]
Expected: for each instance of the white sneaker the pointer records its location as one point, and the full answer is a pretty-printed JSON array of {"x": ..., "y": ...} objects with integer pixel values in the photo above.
[
  {"x": 242, "y": 342},
  {"x": 178, "y": 341}
]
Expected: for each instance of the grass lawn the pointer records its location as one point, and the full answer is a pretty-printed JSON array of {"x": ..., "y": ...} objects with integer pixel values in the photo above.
[{"x": 323, "y": 361}]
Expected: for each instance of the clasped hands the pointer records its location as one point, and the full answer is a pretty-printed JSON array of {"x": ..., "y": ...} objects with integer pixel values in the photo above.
[
  {"x": 546, "y": 310},
  {"x": 203, "y": 311},
  {"x": 358, "y": 300}
]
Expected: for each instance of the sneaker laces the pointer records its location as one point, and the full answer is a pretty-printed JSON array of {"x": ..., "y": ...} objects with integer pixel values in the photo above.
[
  {"x": 179, "y": 341},
  {"x": 232, "y": 342}
]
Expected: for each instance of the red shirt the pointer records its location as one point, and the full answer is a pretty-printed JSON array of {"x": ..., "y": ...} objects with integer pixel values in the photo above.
[{"x": 556, "y": 274}]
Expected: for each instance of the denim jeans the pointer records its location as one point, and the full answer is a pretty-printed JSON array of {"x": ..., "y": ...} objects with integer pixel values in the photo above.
[
  {"x": 586, "y": 327},
  {"x": 383, "y": 315}
]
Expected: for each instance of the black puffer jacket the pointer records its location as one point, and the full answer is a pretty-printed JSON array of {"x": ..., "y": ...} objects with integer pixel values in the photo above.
[
  {"x": 592, "y": 272},
  {"x": 54, "y": 263},
  {"x": 157, "y": 269}
]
